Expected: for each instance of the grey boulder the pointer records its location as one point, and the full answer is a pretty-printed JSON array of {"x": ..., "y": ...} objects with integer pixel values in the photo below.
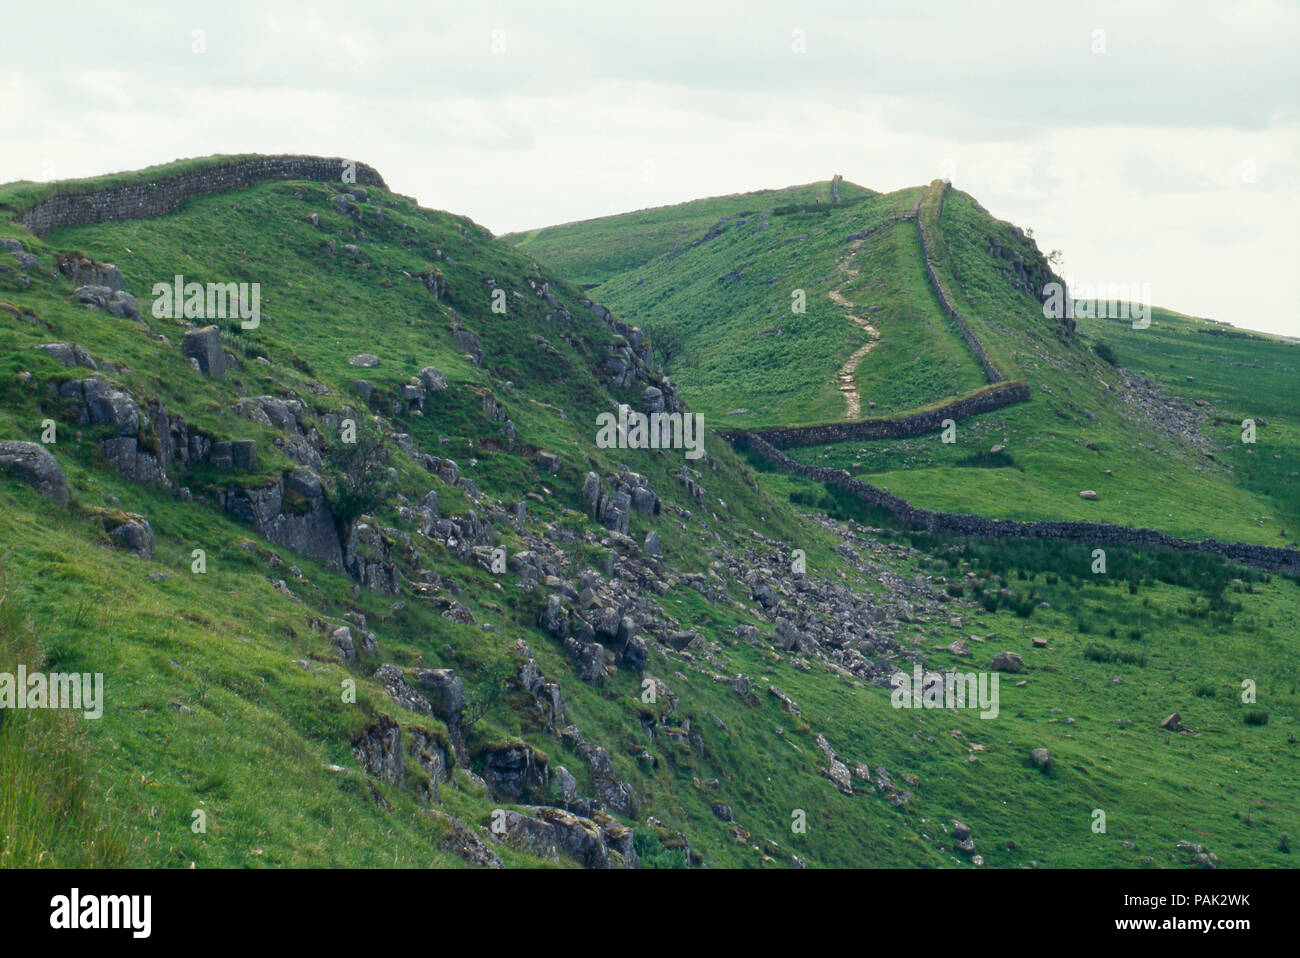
[{"x": 32, "y": 463}]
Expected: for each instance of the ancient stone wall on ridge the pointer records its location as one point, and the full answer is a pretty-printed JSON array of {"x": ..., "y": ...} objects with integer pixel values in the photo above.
[{"x": 157, "y": 196}]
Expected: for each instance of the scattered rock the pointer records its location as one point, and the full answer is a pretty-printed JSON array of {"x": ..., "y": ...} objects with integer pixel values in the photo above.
[
  {"x": 1007, "y": 662},
  {"x": 32, "y": 463},
  {"x": 203, "y": 346},
  {"x": 69, "y": 354},
  {"x": 432, "y": 379},
  {"x": 133, "y": 531}
]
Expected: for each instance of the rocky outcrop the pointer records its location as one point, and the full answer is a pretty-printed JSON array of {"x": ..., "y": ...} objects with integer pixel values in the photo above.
[
  {"x": 83, "y": 271},
  {"x": 613, "y": 507},
  {"x": 446, "y": 695},
  {"x": 117, "y": 303},
  {"x": 1021, "y": 263},
  {"x": 132, "y": 532},
  {"x": 547, "y": 831},
  {"x": 97, "y": 403},
  {"x": 367, "y": 558},
  {"x": 291, "y": 512},
  {"x": 393, "y": 679},
  {"x": 469, "y": 343},
  {"x": 511, "y": 770},
  {"x": 378, "y": 748},
  {"x": 202, "y": 347},
  {"x": 432, "y": 379},
  {"x": 547, "y": 695},
  {"x": 298, "y": 436},
  {"x": 434, "y": 760},
  {"x": 465, "y": 841},
  {"x": 1007, "y": 662},
  {"x": 610, "y": 792},
  {"x": 588, "y": 656},
  {"x": 69, "y": 354}
]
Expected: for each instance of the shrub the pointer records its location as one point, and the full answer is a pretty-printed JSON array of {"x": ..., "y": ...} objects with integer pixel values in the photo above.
[
  {"x": 1106, "y": 354},
  {"x": 1102, "y": 653},
  {"x": 361, "y": 471}
]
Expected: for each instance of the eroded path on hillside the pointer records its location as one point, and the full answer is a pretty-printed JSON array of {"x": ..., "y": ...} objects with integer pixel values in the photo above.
[{"x": 848, "y": 383}]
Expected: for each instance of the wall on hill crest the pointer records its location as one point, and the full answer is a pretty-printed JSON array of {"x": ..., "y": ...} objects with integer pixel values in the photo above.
[
  {"x": 156, "y": 197},
  {"x": 927, "y": 244}
]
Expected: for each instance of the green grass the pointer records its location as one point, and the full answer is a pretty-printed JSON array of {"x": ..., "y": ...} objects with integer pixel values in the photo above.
[
  {"x": 725, "y": 306},
  {"x": 1243, "y": 375},
  {"x": 592, "y": 251}
]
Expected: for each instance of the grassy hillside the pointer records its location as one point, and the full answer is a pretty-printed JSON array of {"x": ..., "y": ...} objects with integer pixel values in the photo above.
[
  {"x": 724, "y": 304},
  {"x": 225, "y": 691},
  {"x": 1240, "y": 375},
  {"x": 1130, "y": 445},
  {"x": 592, "y": 251}
]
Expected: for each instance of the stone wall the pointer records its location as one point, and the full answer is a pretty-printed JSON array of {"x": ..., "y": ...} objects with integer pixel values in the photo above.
[
  {"x": 1000, "y": 396},
  {"x": 1271, "y": 558},
  {"x": 881, "y": 226},
  {"x": 160, "y": 195},
  {"x": 945, "y": 299}
]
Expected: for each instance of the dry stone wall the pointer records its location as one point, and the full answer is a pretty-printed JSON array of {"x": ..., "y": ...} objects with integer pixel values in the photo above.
[
  {"x": 945, "y": 298},
  {"x": 161, "y": 195},
  {"x": 999, "y": 397},
  {"x": 1271, "y": 558}
]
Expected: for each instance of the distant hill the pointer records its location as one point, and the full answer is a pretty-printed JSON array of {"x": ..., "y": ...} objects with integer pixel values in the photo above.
[
  {"x": 721, "y": 302},
  {"x": 592, "y": 251}
]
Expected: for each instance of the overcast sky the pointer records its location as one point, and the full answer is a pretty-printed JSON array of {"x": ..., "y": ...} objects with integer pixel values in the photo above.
[{"x": 1154, "y": 143}]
